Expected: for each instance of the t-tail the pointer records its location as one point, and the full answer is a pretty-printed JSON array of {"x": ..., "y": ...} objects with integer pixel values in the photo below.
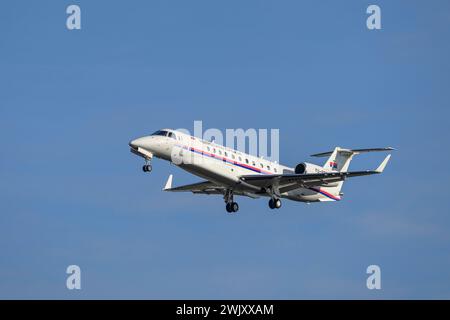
[{"x": 339, "y": 161}]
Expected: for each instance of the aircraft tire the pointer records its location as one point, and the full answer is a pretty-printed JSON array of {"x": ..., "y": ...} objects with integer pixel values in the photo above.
[
  {"x": 147, "y": 168},
  {"x": 277, "y": 204}
]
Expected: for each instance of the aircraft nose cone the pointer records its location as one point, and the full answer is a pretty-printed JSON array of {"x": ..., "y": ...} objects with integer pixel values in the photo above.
[
  {"x": 133, "y": 143},
  {"x": 142, "y": 142}
]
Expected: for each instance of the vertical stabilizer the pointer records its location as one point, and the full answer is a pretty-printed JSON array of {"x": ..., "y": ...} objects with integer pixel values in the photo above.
[{"x": 339, "y": 160}]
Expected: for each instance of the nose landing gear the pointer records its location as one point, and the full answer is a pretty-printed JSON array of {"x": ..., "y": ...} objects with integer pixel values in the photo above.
[{"x": 147, "y": 168}]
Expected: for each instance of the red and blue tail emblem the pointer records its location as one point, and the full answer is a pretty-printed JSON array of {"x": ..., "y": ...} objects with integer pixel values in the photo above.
[{"x": 333, "y": 164}]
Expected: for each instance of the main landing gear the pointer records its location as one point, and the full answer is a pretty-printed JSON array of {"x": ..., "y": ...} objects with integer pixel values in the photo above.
[
  {"x": 274, "y": 194},
  {"x": 147, "y": 167},
  {"x": 274, "y": 203},
  {"x": 231, "y": 205}
]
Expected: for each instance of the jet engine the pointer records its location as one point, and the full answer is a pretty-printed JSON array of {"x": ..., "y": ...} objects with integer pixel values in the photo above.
[{"x": 305, "y": 167}]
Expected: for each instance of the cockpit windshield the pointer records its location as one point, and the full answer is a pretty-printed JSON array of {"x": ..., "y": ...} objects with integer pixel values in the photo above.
[
  {"x": 165, "y": 133},
  {"x": 160, "y": 133}
]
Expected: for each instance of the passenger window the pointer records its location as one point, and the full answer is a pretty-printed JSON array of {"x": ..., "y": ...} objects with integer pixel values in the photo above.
[
  {"x": 275, "y": 169},
  {"x": 232, "y": 156},
  {"x": 214, "y": 150},
  {"x": 226, "y": 154},
  {"x": 268, "y": 167},
  {"x": 262, "y": 166},
  {"x": 246, "y": 160},
  {"x": 240, "y": 159},
  {"x": 253, "y": 163},
  {"x": 220, "y": 152}
]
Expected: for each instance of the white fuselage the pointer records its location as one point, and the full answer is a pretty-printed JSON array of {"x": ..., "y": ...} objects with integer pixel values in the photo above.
[{"x": 217, "y": 163}]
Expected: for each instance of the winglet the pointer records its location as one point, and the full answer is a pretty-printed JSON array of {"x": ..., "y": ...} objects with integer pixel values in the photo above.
[
  {"x": 383, "y": 164},
  {"x": 168, "y": 185}
]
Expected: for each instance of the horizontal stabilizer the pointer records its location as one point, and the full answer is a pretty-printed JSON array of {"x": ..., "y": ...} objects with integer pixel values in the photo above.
[{"x": 353, "y": 151}]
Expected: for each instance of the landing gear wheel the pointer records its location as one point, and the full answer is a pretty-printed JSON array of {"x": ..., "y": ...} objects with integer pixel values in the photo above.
[
  {"x": 147, "y": 168},
  {"x": 271, "y": 204},
  {"x": 274, "y": 203},
  {"x": 232, "y": 207},
  {"x": 277, "y": 203}
]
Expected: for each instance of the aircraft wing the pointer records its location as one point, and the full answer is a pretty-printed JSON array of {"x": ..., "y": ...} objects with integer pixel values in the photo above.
[
  {"x": 287, "y": 182},
  {"x": 284, "y": 182},
  {"x": 204, "y": 187}
]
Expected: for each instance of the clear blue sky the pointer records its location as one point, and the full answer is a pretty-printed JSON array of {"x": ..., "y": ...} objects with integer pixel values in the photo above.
[{"x": 71, "y": 192}]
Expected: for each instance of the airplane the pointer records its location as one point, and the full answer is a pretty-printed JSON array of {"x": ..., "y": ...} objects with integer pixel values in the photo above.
[{"x": 229, "y": 172}]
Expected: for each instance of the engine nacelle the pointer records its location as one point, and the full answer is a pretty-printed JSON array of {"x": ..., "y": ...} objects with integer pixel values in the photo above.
[{"x": 306, "y": 167}]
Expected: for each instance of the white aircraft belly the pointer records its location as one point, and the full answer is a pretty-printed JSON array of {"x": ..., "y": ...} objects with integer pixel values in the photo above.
[{"x": 211, "y": 169}]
